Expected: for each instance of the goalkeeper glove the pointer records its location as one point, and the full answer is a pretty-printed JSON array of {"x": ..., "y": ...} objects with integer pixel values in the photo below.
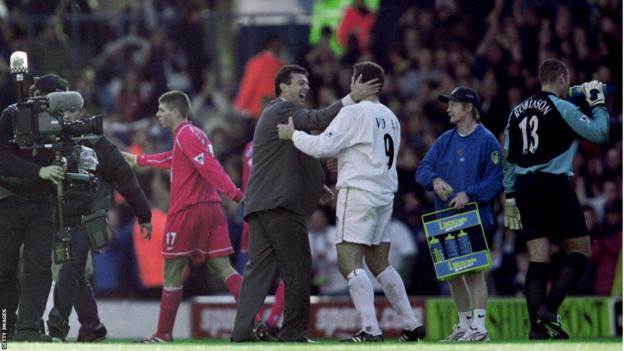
[
  {"x": 512, "y": 215},
  {"x": 594, "y": 93}
]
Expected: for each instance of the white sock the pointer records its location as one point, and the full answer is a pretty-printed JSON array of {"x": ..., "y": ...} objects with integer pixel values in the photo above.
[
  {"x": 394, "y": 289},
  {"x": 363, "y": 297},
  {"x": 465, "y": 319},
  {"x": 479, "y": 319}
]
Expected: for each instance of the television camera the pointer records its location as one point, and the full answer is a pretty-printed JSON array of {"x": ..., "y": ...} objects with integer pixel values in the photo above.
[
  {"x": 38, "y": 121},
  {"x": 38, "y": 125}
]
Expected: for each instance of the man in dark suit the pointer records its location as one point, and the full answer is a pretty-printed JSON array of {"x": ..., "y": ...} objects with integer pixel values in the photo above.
[{"x": 283, "y": 191}]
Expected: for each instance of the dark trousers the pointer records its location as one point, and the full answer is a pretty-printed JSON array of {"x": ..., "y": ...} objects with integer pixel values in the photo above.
[
  {"x": 72, "y": 288},
  {"x": 31, "y": 224},
  {"x": 278, "y": 242}
]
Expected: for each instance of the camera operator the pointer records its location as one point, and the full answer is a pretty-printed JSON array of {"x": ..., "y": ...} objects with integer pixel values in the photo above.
[
  {"x": 26, "y": 218},
  {"x": 72, "y": 286}
]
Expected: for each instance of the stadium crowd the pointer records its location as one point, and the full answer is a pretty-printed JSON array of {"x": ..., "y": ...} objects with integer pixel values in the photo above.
[{"x": 427, "y": 49}]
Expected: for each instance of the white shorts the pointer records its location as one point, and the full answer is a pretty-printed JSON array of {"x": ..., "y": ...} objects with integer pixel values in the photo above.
[{"x": 362, "y": 217}]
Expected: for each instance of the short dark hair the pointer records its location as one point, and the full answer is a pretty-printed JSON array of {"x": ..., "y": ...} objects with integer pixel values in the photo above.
[
  {"x": 369, "y": 71},
  {"x": 550, "y": 70},
  {"x": 176, "y": 100},
  {"x": 284, "y": 75}
]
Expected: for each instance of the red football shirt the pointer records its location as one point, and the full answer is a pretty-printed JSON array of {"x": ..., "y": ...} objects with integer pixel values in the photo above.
[{"x": 196, "y": 175}]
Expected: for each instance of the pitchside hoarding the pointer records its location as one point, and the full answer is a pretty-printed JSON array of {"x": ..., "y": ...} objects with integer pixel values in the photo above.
[
  {"x": 587, "y": 317},
  {"x": 330, "y": 317},
  {"x": 335, "y": 317}
]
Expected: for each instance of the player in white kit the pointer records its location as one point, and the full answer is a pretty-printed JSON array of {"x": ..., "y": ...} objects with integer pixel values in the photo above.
[{"x": 365, "y": 139}]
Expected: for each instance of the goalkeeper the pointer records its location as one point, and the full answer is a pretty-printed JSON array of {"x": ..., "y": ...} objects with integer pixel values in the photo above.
[{"x": 541, "y": 139}]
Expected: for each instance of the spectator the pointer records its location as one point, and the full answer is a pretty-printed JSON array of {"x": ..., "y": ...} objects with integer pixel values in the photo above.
[
  {"x": 402, "y": 254},
  {"x": 327, "y": 278},
  {"x": 256, "y": 87},
  {"x": 129, "y": 99},
  {"x": 357, "y": 20},
  {"x": 606, "y": 249}
]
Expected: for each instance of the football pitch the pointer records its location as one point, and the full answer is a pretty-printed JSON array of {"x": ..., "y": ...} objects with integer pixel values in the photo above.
[{"x": 610, "y": 344}]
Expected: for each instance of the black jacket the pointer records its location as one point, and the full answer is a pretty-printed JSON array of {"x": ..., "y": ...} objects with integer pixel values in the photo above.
[
  {"x": 19, "y": 169},
  {"x": 115, "y": 171}
]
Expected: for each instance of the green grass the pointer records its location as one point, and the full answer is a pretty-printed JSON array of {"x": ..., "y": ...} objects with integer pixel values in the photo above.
[{"x": 611, "y": 344}]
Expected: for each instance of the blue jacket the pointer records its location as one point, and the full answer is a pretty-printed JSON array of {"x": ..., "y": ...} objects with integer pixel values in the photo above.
[{"x": 471, "y": 163}]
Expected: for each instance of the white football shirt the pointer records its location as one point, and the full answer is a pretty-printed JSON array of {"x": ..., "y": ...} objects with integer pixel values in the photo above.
[{"x": 365, "y": 138}]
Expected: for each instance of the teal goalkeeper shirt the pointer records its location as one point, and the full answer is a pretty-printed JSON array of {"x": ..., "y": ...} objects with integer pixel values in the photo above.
[
  {"x": 543, "y": 133},
  {"x": 471, "y": 163}
]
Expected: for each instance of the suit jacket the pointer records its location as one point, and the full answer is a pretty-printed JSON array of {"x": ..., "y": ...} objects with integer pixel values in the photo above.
[{"x": 281, "y": 175}]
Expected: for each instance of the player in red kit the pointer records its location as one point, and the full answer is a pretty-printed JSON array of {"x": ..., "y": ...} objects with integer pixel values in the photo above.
[
  {"x": 270, "y": 325},
  {"x": 196, "y": 226}
]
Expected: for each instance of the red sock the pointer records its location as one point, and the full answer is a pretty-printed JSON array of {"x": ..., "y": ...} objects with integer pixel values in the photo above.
[
  {"x": 169, "y": 303},
  {"x": 278, "y": 306},
  {"x": 233, "y": 283}
]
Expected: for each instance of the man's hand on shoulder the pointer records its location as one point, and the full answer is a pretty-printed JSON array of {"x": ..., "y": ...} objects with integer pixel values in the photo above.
[
  {"x": 285, "y": 131},
  {"x": 361, "y": 90}
]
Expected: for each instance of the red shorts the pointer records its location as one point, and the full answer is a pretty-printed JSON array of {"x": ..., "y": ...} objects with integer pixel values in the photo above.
[
  {"x": 199, "y": 231},
  {"x": 245, "y": 238}
]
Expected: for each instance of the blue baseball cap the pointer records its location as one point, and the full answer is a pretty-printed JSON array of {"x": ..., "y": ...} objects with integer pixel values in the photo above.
[{"x": 462, "y": 94}]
